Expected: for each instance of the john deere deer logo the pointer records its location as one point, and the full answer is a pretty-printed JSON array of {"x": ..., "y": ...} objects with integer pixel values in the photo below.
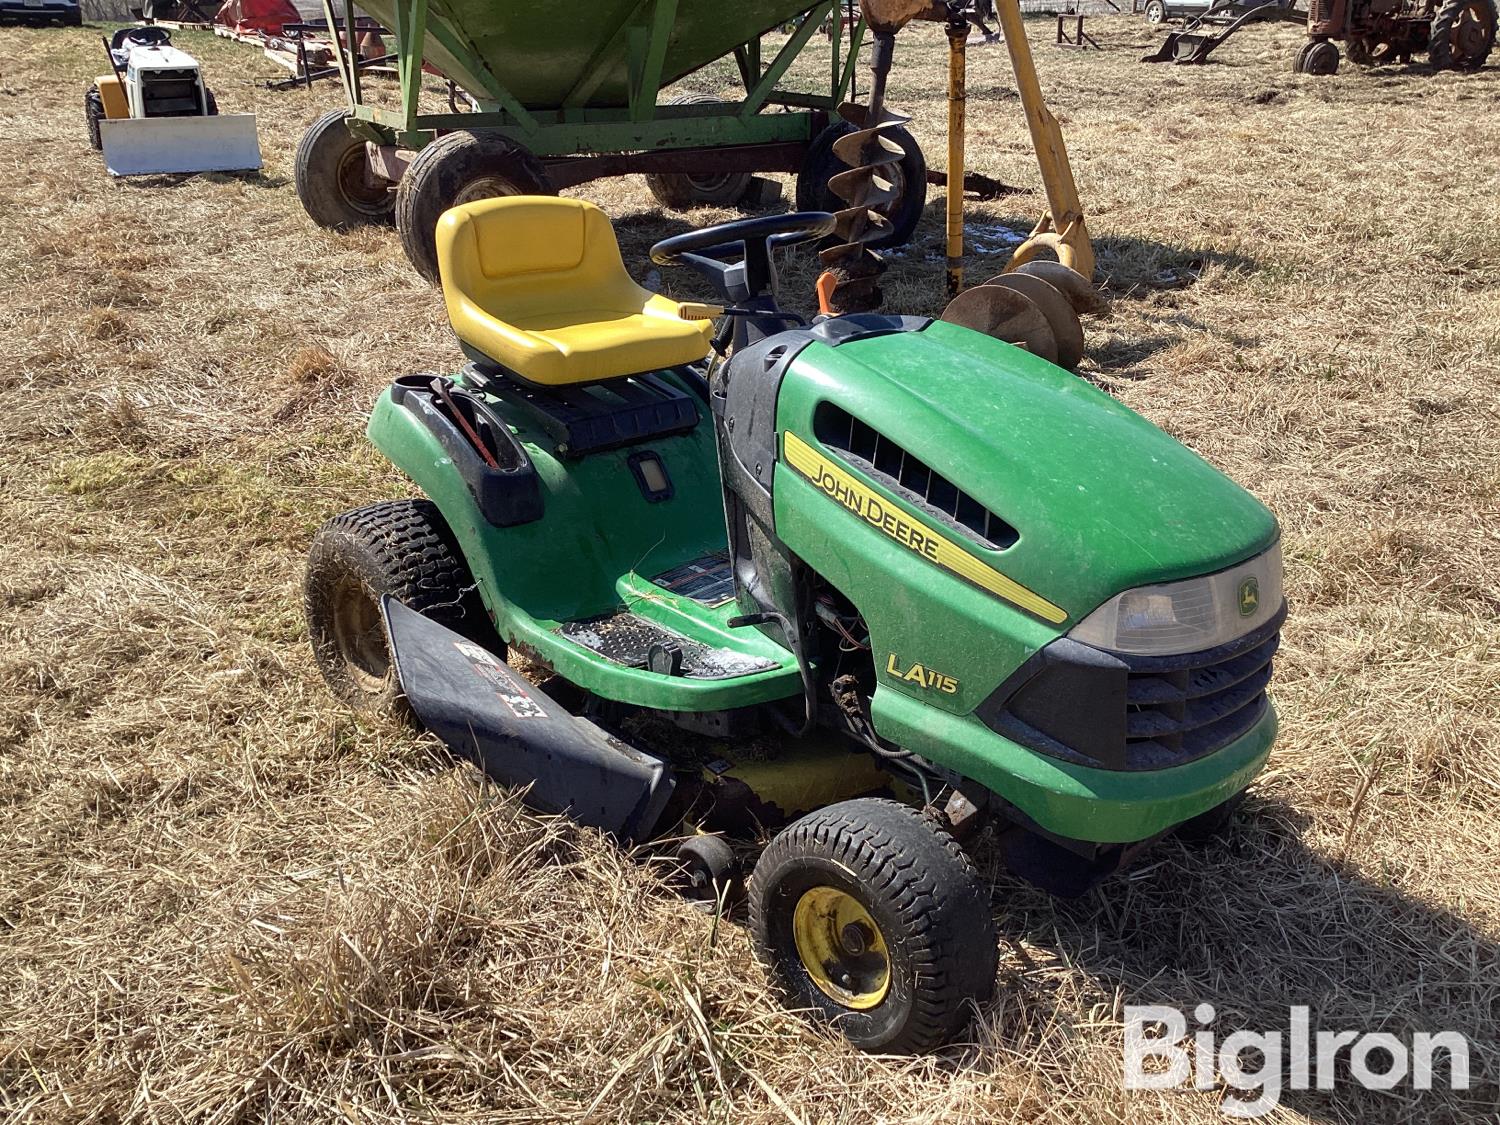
[{"x": 1249, "y": 596}]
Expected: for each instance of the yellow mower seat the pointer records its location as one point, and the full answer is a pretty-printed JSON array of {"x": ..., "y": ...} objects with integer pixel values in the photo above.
[{"x": 537, "y": 285}]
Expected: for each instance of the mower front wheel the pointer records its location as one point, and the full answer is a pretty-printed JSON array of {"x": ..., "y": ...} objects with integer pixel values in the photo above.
[
  {"x": 869, "y": 915},
  {"x": 459, "y": 168},
  {"x": 333, "y": 177},
  {"x": 400, "y": 548}
]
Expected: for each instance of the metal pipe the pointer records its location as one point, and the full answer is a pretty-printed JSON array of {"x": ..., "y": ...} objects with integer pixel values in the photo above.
[{"x": 958, "y": 34}]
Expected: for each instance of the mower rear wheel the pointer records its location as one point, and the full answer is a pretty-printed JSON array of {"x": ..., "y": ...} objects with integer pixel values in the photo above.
[
  {"x": 869, "y": 915},
  {"x": 334, "y": 180},
  {"x": 400, "y": 548},
  {"x": 1463, "y": 34},
  {"x": 93, "y": 113},
  {"x": 908, "y": 176},
  {"x": 459, "y": 168}
]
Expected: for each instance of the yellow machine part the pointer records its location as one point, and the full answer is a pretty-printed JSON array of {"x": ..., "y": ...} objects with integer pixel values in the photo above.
[
  {"x": 803, "y": 776},
  {"x": 1061, "y": 229},
  {"x": 112, "y": 94},
  {"x": 538, "y": 285}
]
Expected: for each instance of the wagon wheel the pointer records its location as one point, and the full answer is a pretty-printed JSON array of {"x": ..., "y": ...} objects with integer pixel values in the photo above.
[
  {"x": 908, "y": 182},
  {"x": 682, "y": 190},
  {"x": 1463, "y": 32},
  {"x": 333, "y": 177},
  {"x": 455, "y": 169}
]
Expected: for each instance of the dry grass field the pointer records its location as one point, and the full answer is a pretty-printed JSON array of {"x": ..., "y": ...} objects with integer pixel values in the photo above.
[{"x": 222, "y": 898}]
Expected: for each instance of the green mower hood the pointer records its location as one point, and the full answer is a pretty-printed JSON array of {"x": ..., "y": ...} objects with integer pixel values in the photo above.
[{"x": 1099, "y": 499}]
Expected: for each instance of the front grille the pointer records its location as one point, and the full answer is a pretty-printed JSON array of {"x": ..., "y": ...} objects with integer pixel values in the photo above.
[
  {"x": 170, "y": 93},
  {"x": 1117, "y": 711},
  {"x": 1177, "y": 710}
]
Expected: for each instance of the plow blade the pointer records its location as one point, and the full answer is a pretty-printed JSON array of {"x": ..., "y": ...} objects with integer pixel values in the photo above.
[
  {"x": 1185, "y": 47},
  {"x": 486, "y": 711},
  {"x": 148, "y": 146}
]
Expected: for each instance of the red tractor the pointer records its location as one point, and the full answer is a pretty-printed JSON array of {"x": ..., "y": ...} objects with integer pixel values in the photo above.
[{"x": 1456, "y": 34}]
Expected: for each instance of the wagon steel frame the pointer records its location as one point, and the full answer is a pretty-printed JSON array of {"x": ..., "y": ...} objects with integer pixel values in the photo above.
[{"x": 578, "y": 141}]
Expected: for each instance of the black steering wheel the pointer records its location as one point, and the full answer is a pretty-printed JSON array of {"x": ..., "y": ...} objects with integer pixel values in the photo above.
[
  {"x": 149, "y": 36},
  {"x": 750, "y": 273}
]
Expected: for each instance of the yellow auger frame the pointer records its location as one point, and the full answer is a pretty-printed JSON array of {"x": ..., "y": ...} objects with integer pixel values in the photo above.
[{"x": 1061, "y": 228}]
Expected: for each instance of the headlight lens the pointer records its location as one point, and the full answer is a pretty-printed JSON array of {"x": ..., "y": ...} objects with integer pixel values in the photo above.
[{"x": 1188, "y": 616}]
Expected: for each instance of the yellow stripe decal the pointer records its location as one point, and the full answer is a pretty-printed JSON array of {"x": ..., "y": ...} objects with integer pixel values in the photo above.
[{"x": 916, "y": 537}]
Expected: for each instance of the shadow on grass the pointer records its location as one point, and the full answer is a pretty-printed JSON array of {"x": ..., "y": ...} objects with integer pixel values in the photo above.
[{"x": 1254, "y": 924}]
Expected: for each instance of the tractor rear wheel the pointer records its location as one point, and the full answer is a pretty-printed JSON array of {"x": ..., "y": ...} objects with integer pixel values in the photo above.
[
  {"x": 869, "y": 915},
  {"x": 684, "y": 190},
  {"x": 400, "y": 548},
  {"x": 93, "y": 113},
  {"x": 334, "y": 180},
  {"x": 459, "y": 168},
  {"x": 1463, "y": 34},
  {"x": 909, "y": 176}
]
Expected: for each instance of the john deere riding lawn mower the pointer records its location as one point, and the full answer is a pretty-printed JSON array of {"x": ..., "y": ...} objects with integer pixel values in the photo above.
[{"x": 872, "y": 583}]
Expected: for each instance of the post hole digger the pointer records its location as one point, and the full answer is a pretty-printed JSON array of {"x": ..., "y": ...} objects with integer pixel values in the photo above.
[
  {"x": 1036, "y": 301},
  {"x": 154, "y": 114},
  {"x": 873, "y": 580}
]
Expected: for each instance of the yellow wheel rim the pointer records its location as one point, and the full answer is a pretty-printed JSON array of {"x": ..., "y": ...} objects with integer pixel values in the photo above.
[{"x": 841, "y": 948}]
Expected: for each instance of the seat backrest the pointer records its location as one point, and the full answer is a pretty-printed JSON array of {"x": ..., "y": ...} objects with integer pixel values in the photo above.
[{"x": 521, "y": 256}]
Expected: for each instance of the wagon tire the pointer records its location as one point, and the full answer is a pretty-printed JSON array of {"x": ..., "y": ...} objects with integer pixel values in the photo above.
[
  {"x": 459, "y": 168},
  {"x": 682, "y": 191},
  {"x": 398, "y": 548},
  {"x": 93, "y": 113},
  {"x": 1457, "y": 43},
  {"x": 870, "y": 917},
  {"x": 822, "y": 163},
  {"x": 333, "y": 179}
]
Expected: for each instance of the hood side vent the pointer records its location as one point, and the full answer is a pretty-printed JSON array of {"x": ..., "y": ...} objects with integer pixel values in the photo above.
[{"x": 910, "y": 478}]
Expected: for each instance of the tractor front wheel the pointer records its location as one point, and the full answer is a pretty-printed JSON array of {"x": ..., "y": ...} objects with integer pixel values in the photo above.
[
  {"x": 459, "y": 168},
  {"x": 334, "y": 180},
  {"x": 1318, "y": 57},
  {"x": 1463, "y": 34},
  {"x": 908, "y": 178},
  {"x": 400, "y": 548},
  {"x": 869, "y": 915}
]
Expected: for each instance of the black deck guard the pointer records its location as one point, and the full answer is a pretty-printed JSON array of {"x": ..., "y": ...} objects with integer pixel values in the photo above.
[{"x": 484, "y": 710}]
